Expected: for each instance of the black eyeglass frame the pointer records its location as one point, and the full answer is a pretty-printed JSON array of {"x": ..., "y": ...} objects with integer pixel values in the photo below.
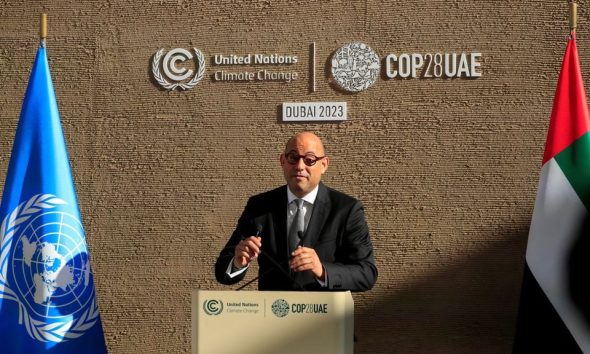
[{"x": 308, "y": 160}]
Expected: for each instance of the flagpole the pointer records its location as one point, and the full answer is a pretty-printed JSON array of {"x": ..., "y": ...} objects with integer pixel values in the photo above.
[
  {"x": 573, "y": 16},
  {"x": 43, "y": 29}
]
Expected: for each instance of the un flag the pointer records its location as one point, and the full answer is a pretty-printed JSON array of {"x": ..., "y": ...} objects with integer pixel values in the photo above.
[{"x": 47, "y": 296}]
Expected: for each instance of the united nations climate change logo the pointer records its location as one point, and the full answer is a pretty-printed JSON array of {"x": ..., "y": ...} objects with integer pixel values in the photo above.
[
  {"x": 355, "y": 67},
  {"x": 178, "y": 74},
  {"x": 44, "y": 267},
  {"x": 280, "y": 308},
  {"x": 213, "y": 307}
]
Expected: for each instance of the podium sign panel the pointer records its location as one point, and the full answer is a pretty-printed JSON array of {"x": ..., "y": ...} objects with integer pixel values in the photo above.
[{"x": 273, "y": 322}]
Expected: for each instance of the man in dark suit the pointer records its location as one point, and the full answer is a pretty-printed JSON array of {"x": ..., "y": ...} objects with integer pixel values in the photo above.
[{"x": 305, "y": 235}]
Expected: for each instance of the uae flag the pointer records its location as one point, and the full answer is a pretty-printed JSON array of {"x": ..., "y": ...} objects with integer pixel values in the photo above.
[{"x": 554, "y": 315}]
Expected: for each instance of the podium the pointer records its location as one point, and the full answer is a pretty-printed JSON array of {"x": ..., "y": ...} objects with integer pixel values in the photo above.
[{"x": 272, "y": 322}]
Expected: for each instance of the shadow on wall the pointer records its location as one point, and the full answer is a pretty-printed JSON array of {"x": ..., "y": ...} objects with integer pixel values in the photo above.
[{"x": 470, "y": 307}]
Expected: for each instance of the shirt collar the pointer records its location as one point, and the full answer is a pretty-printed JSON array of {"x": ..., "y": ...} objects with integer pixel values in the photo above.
[{"x": 309, "y": 197}]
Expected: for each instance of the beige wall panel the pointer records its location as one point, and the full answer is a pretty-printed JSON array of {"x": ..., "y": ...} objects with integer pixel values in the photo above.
[{"x": 447, "y": 169}]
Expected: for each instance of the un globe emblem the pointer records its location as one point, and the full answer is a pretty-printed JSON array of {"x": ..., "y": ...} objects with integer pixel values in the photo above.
[
  {"x": 50, "y": 265},
  {"x": 44, "y": 267}
]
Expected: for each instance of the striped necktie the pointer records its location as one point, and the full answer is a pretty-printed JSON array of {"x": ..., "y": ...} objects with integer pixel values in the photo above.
[{"x": 297, "y": 225}]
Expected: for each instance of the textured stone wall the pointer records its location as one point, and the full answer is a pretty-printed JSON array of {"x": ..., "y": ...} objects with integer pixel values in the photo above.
[{"x": 447, "y": 169}]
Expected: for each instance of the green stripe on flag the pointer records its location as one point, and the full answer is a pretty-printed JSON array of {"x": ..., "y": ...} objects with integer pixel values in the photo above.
[{"x": 575, "y": 163}]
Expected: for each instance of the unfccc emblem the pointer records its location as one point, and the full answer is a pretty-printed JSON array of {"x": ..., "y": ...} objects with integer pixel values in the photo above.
[
  {"x": 175, "y": 73},
  {"x": 213, "y": 307}
]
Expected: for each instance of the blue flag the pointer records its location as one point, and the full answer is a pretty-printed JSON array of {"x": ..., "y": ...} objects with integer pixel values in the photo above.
[{"x": 47, "y": 297}]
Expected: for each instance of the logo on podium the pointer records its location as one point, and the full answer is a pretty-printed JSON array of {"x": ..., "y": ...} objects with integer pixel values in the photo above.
[
  {"x": 280, "y": 308},
  {"x": 213, "y": 307}
]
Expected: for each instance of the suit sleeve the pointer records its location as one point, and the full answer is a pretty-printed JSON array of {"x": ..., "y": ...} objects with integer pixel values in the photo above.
[
  {"x": 354, "y": 265},
  {"x": 244, "y": 229}
]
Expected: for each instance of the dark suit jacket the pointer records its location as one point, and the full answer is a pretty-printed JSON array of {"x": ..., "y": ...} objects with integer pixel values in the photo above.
[{"x": 337, "y": 230}]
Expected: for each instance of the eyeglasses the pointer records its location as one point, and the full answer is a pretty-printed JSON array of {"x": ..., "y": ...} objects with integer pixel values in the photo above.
[{"x": 309, "y": 160}]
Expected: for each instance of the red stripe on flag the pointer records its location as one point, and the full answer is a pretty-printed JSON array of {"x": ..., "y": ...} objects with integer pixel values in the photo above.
[{"x": 569, "y": 118}]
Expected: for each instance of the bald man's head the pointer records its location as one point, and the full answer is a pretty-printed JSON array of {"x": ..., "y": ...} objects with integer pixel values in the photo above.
[{"x": 304, "y": 162}]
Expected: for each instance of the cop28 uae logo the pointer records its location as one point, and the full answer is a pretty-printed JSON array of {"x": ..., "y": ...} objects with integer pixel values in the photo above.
[
  {"x": 45, "y": 269},
  {"x": 280, "y": 308},
  {"x": 178, "y": 75},
  {"x": 355, "y": 67}
]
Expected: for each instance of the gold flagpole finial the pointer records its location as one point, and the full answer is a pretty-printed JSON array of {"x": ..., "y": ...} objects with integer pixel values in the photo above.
[
  {"x": 573, "y": 16},
  {"x": 43, "y": 28}
]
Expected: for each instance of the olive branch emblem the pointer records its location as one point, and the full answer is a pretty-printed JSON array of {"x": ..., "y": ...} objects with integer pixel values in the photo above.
[
  {"x": 39, "y": 330},
  {"x": 184, "y": 86}
]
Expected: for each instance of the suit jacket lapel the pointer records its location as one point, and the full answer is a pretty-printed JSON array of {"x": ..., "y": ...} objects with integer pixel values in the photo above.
[
  {"x": 319, "y": 215},
  {"x": 279, "y": 216}
]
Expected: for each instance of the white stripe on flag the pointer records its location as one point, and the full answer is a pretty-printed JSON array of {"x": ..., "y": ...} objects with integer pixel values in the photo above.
[{"x": 556, "y": 222}]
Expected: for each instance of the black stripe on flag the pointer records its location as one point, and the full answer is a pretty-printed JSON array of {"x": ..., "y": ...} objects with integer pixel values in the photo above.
[{"x": 539, "y": 329}]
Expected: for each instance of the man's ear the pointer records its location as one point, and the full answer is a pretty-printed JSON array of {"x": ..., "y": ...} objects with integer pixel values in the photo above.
[{"x": 325, "y": 162}]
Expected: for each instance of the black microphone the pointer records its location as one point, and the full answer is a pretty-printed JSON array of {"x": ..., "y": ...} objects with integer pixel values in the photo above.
[
  {"x": 259, "y": 228},
  {"x": 276, "y": 264}
]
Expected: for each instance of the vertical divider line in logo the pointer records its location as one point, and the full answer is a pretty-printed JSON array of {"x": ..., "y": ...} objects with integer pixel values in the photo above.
[{"x": 312, "y": 69}]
